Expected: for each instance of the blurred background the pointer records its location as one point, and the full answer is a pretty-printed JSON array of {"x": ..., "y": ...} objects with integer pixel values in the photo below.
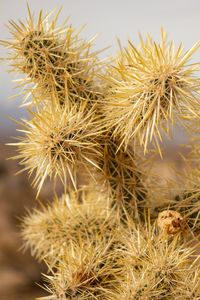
[{"x": 112, "y": 19}]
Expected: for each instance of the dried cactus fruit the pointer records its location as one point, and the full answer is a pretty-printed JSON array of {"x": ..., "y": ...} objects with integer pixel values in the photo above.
[{"x": 170, "y": 221}]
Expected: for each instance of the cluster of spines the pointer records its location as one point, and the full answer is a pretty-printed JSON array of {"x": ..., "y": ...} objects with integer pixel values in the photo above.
[
  {"x": 67, "y": 219},
  {"x": 55, "y": 61},
  {"x": 59, "y": 143},
  {"x": 151, "y": 88},
  {"x": 158, "y": 267},
  {"x": 68, "y": 135},
  {"x": 79, "y": 128},
  {"x": 91, "y": 254},
  {"x": 122, "y": 177},
  {"x": 78, "y": 242}
]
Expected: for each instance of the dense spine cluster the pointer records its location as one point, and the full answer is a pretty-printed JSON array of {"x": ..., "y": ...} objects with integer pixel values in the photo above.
[{"x": 92, "y": 122}]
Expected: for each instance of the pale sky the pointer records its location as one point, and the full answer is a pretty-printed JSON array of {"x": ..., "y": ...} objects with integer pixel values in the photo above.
[{"x": 122, "y": 19}]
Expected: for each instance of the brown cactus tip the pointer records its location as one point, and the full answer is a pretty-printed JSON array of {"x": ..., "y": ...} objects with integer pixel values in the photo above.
[{"x": 170, "y": 221}]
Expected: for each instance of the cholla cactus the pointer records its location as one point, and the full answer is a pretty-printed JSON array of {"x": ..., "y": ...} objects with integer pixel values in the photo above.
[
  {"x": 55, "y": 60},
  {"x": 88, "y": 270},
  {"x": 110, "y": 238},
  {"x": 150, "y": 85},
  {"x": 59, "y": 142},
  {"x": 49, "y": 232},
  {"x": 157, "y": 266}
]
